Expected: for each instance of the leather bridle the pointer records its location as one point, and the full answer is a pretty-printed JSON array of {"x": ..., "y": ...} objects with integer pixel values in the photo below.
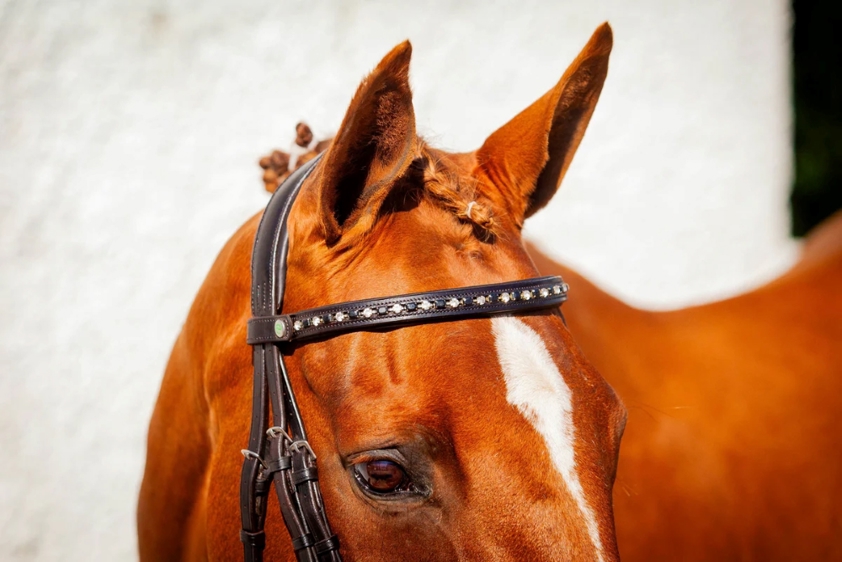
[{"x": 280, "y": 453}]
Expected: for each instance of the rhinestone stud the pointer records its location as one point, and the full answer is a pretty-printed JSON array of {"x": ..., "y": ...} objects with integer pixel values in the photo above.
[
  {"x": 505, "y": 297},
  {"x": 425, "y": 305},
  {"x": 396, "y": 308},
  {"x": 453, "y": 303},
  {"x": 544, "y": 292},
  {"x": 480, "y": 300},
  {"x": 556, "y": 289},
  {"x": 316, "y": 321},
  {"x": 368, "y": 312},
  {"x": 297, "y": 325},
  {"x": 525, "y": 295},
  {"x": 565, "y": 287},
  {"x": 280, "y": 328},
  {"x": 340, "y": 316}
]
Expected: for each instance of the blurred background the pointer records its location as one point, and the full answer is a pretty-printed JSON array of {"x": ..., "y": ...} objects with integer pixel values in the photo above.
[
  {"x": 130, "y": 132},
  {"x": 817, "y": 87}
]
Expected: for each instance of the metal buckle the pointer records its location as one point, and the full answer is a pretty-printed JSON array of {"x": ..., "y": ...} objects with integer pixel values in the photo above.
[
  {"x": 276, "y": 431},
  {"x": 252, "y": 455},
  {"x": 293, "y": 445},
  {"x": 298, "y": 445}
]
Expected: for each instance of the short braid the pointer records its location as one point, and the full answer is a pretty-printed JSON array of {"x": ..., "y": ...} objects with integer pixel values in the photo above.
[{"x": 456, "y": 197}]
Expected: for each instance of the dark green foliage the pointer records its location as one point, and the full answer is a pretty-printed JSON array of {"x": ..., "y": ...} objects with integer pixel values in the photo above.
[{"x": 817, "y": 47}]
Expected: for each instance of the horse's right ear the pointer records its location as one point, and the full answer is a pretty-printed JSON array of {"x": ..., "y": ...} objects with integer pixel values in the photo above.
[
  {"x": 373, "y": 148},
  {"x": 527, "y": 158}
]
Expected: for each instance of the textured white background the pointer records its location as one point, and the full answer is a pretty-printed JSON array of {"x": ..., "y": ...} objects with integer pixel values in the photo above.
[{"x": 129, "y": 133}]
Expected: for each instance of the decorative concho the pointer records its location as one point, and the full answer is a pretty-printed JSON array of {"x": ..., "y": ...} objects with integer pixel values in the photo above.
[{"x": 280, "y": 328}]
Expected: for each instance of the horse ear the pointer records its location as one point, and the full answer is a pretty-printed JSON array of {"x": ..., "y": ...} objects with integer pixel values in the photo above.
[
  {"x": 373, "y": 148},
  {"x": 528, "y": 156}
]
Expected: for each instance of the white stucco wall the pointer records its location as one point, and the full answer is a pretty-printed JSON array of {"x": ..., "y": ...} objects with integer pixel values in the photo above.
[{"x": 128, "y": 139}]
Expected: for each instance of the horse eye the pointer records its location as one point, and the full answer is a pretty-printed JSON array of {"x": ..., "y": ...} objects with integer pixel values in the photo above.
[{"x": 382, "y": 476}]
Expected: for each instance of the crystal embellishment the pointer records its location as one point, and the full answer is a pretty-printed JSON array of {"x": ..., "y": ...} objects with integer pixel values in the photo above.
[
  {"x": 340, "y": 316},
  {"x": 556, "y": 289},
  {"x": 425, "y": 305},
  {"x": 396, "y": 308},
  {"x": 297, "y": 325},
  {"x": 505, "y": 297},
  {"x": 565, "y": 287},
  {"x": 480, "y": 300},
  {"x": 525, "y": 295},
  {"x": 316, "y": 321},
  {"x": 544, "y": 292},
  {"x": 368, "y": 312},
  {"x": 453, "y": 303}
]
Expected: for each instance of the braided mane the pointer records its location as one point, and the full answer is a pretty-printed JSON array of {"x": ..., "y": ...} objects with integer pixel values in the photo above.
[{"x": 444, "y": 187}]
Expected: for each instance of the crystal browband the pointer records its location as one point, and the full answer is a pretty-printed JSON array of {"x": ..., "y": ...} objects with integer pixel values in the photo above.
[{"x": 479, "y": 300}]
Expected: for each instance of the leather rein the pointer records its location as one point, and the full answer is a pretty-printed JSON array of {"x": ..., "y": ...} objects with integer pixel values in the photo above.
[{"x": 280, "y": 453}]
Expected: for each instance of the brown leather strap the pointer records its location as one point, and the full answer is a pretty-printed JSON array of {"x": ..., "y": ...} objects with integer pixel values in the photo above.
[
  {"x": 449, "y": 304},
  {"x": 268, "y": 457}
]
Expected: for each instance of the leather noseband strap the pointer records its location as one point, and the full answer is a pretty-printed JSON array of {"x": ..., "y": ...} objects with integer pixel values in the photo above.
[{"x": 281, "y": 454}]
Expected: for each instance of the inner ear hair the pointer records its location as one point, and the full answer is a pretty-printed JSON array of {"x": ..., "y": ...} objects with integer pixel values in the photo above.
[
  {"x": 370, "y": 153},
  {"x": 351, "y": 184}
]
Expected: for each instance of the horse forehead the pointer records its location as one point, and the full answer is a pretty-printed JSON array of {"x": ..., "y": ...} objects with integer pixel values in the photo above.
[{"x": 537, "y": 389}]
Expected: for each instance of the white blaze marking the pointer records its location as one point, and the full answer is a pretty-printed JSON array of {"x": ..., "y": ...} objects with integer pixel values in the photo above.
[{"x": 536, "y": 388}]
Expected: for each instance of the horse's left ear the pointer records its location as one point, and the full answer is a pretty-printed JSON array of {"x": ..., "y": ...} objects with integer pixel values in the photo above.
[
  {"x": 373, "y": 148},
  {"x": 528, "y": 156}
]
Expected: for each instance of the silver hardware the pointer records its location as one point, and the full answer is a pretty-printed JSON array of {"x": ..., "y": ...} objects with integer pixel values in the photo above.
[
  {"x": 252, "y": 455},
  {"x": 296, "y": 445},
  {"x": 276, "y": 431}
]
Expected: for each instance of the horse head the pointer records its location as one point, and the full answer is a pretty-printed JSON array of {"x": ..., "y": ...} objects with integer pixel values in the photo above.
[{"x": 479, "y": 439}]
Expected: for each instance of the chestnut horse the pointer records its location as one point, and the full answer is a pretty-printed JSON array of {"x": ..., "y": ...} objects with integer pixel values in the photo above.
[
  {"x": 501, "y": 435},
  {"x": 732, "y": 450}
]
